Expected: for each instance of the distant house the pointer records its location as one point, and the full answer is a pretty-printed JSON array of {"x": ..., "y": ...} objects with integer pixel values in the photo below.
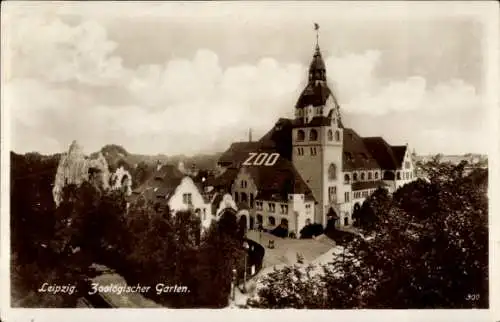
[{"x": 170, "y": 187}]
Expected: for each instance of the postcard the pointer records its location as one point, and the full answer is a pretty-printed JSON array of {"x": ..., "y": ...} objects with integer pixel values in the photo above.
[{"x": 249, "y": 160}]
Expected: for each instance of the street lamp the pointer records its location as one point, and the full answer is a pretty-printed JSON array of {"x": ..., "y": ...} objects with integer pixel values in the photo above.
[
  {"x": 234, "y": 284},
  {"x": 246, "y": 247}
]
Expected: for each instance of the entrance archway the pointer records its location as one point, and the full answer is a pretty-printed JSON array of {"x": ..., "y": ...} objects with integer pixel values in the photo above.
[{"x": 331, "y": 219}]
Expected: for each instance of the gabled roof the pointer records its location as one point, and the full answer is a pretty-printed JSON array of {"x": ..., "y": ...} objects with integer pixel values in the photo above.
[
  {"x": 225, "y": 180},
  {"x": 355, "y": 153},
  {"x": 279, "y": 138},
  {"x": 277, "y": 181},
  {"x": 315, "y": 94},
  {"x": 238, "y": 152},
  {"x": 399, "y": 152},
  {"x": 162, "y": 184},
  {"x": 382, "y": 152}
]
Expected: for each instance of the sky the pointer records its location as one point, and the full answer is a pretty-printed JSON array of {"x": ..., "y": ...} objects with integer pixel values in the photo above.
[{"x": 191, "y": 78}]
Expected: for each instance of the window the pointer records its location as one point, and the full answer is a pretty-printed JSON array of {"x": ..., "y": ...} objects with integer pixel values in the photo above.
[
  {"x": 346, "y": 196},
  {"x": 362, "y": 176},
  {"x": 301, "y": 135},
  {"x": 332, "y": 172},
  {"x": 376, "y": 175},
  {"x": 313, "y": 135},
  {"x": 398, "y": 175},
  {"x": 272, "y": 221},
  {"x": 251, "y": 200},
  {"x": 284, "y": 209},
  {"x": 243, "y": 197},
  {"x": 369, "y": 175},
  {"x": 259, "y": 218},
  {"x": 355, "y": 177},
  {"x": 204, "y": 213},
  {"x": 330, "y": 135},
  {"x": 346, "y": 221},
  {"x": 187, "y": 199},
  {"x": 407, "y": 165},
  {"x": 272, "y": 207},
  {"x": 337, "y": 136},
  {"x": 236, "y": 197},
  {"x": 300, "y": 151},
  {"x": 332, "y": 194},
  {"x": 308, "y": 221},
  {"x": 313, "y": 151},
  {"x": 346, "y": 178}
]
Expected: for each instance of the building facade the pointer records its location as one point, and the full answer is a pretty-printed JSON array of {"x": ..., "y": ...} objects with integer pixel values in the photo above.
[{"x": 311, "y": 169}]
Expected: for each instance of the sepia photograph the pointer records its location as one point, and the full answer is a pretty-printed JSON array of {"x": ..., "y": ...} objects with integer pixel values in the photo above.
[{"x": 251, "y": 155}]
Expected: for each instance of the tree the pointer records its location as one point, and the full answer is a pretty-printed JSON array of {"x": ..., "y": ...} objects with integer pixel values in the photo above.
[{"x": 429, "y": 250}]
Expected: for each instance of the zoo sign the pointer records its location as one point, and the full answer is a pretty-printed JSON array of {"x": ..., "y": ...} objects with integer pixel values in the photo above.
[{"x": 265, "y": 159}]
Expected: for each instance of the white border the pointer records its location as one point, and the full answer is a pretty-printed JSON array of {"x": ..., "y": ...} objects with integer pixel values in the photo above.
[{"x": 487, "y": 12}]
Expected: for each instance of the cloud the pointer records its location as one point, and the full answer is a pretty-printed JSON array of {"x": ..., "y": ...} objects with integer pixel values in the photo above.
[{"x": 194, "y": 104}]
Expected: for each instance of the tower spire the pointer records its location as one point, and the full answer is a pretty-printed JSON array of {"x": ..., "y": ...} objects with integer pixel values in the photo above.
[{"x": 316, "y": 27}]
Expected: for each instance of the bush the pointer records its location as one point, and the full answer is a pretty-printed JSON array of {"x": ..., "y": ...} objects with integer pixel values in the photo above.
[{"x": 311, "y": 230}]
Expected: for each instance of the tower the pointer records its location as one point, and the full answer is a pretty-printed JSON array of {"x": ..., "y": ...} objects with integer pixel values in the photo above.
[{"x": 317, "y": 138}]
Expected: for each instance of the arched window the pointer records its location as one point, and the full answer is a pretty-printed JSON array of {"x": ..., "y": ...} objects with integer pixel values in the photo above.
[
  {"x": 236, "y": 197},
  {"x": 251, "y": 200},
  {"x": 398, "y": 174},
  {"x": 347, "y": 178},
  {"x": 355, "y": 177},
  {"x": 272, "y": 221},
  {"x": 332, "y": 172},
  {"x": 243, "y": 197},
  {"x": 376, "y": 175},
  {"x": 362, "y": 176},
  {"x": 313, "y": 135},
  {"x": 337, "y": 136},
  {"x": 301, "y": 135},
  {"x": 330, "y": 135},
  {"x": 369, "y": 175}
]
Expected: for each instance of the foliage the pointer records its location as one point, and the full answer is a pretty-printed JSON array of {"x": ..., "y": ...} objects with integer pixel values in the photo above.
[
  {"x": 311, "y": 230},
  {"x": 429, "y": 250}
]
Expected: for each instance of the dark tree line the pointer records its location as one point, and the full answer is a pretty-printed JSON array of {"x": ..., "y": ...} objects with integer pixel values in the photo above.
[
  {"x": 144, "y": 244},
  {"x": 428, "y": 248}
]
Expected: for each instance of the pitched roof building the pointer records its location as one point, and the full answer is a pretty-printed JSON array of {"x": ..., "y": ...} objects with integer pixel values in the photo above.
[{"x": 311, "y": 168}]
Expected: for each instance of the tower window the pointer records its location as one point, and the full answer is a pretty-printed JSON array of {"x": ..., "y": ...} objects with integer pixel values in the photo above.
[
  {"x": 313, "y": 135},
  {"x": 332, "y": 172},
  {"x": 301, "y": 135},
  {"x": 369, "y": 175},
  {"x": 398, "y": 174},
  {"x": 337, "y": 136},
  {"x": 355, "y": 177},
  {"x": 362, "y": 176},
  {"x": 330, "y": 135},
  {"x": 376, "y": 175},
  {"x": 347, "y": 179}
]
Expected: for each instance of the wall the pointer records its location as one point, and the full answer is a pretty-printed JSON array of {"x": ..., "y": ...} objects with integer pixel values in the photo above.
[{"x": 176, "y": 202}]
